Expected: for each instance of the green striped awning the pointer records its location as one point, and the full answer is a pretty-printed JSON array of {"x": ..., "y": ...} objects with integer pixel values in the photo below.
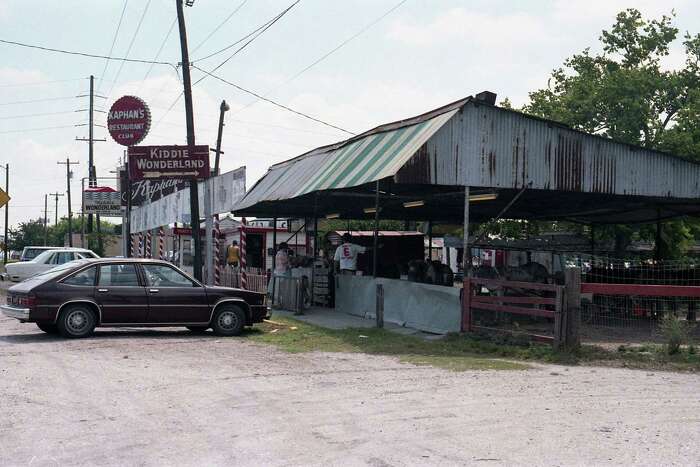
[{"x": 360, "y": 160}]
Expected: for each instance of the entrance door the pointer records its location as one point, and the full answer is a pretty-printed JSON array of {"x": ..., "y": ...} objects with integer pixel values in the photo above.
[
  {"x": 120, "y": 294},
  {"x": 173, "y": 297},
  {"x": 254, "y": 251}
]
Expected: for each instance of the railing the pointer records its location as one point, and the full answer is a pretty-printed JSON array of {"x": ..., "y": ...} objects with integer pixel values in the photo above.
[
  {"x": 555, "y": 306},
  {"x": 256, "y": 282}
]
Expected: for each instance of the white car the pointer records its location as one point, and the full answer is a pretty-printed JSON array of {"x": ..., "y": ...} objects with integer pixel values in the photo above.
[{"x": 47, "y": 260}]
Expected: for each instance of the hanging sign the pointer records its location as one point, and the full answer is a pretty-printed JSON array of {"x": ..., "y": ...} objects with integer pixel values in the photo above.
[
  {"x": 102, "y": 200},
  {"x": 129, "y": 120},
  {"x": 157, "y": 162}
]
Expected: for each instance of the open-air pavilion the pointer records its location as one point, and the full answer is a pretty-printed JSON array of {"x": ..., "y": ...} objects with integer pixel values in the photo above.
[{"x": 471, "y": 161}]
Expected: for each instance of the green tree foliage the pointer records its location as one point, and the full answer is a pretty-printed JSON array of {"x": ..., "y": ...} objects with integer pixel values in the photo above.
[
  {"x": 31, "y": 233},
  {"x": 626, "y": 94},
  {"x": 26, "y": 234}
]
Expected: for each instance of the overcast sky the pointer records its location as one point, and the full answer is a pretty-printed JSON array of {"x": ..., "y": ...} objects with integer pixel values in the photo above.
[{"x": 424, "y": 54}]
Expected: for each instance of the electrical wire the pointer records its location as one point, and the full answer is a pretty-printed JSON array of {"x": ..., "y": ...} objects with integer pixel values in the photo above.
[
  {"x": 84, "y": 54},
  {"x": 219, "y": 26},
  {"x": 12, "y": 117},
  {"x": 111, "y": 49},
  {"x": 282, "y": 106},
  {"x": 26, "y": 130},
  {"x": 39, "y": 83},
  {"x": 160, "y": 49},
  {"x": 259, "y": 30},
  {"x": 131, "y": 44},
  {"x": 47, "y": 99},
  {"x": 329, "y": 53}
]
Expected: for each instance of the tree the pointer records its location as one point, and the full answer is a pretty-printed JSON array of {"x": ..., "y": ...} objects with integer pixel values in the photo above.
[
  {"x": 625, "y": 93},
  {"x": 30, "y": 233}
]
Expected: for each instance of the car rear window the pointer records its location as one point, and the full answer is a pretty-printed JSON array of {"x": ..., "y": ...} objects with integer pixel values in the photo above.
[{"x": 85, "y": 277}]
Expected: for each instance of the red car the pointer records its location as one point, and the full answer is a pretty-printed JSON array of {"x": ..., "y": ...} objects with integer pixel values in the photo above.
[{"x": 74, "y": 298}]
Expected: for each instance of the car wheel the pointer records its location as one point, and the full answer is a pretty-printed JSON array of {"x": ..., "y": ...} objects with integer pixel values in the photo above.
[
  {"x": 229, "y": 320},
  {"x": 48, "y": 328},
  {"x": 76, "y": 321},
  {"x": 198, "y": 329}
]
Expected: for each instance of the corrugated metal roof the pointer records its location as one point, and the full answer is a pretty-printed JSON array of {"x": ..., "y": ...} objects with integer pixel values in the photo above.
[{"x": 374, "y": 155}]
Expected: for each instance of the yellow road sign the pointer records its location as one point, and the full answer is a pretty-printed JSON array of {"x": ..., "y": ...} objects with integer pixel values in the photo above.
[{"x": 4, "y": 198}]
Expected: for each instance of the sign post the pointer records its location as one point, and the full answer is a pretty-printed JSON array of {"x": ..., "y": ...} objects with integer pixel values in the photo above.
[{"x": 128, "y": 121}]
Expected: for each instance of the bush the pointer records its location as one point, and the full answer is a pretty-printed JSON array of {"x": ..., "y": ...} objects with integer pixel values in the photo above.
[{"x": 675, "y": 333}]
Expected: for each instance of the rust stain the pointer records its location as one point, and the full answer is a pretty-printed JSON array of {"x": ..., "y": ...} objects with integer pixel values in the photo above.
[
  {"x": 568, "y": 165},
  {"x": 417, "y": 169}
]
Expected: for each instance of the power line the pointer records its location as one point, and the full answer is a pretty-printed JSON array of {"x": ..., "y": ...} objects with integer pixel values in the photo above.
[
  {"x": 219, "y": 26},
  {"x": 39, "y": 83},
  {"x": 259, "y": 30},
  {"x": 47, "y": 99},
  {"x": 330, "y": 52},
  {"x": 27, "y": 130},
  {"x": 12, "y": 117},
  {"x": 252, "y": 93},
  {"x": 131, "y": 44},
  {"x": 85, "y": 54},
  {"x": 114, "y": 41},
  {"x": 160, "y": 49}
]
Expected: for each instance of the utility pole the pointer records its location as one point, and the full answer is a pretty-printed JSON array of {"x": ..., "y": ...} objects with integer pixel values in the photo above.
[
  {"x": 189, "y": 115},
  {"x": 68, "y": 163},
  {"x": 92, "y": 171},
  {"x": 7, "y": 190},
  {"x": 46, "y": 219},
  {"x": 55, "y": 196},
  {"x": 222, "y": 109}
]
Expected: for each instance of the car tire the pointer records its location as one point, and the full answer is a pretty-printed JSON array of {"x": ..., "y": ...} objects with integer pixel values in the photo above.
[
  {"x": 48, "y": 328},
  {"x": 229, "y": 320},
  {"x": 198, "y": 329},
  {"x": 76, "y": 321}
]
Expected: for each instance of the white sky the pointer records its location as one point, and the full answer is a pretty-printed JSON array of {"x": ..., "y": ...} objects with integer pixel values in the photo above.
[{"x": 425, "y": 54}]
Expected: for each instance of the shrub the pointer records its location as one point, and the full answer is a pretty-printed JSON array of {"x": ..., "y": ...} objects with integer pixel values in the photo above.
[{"x": 675, "y": 333}]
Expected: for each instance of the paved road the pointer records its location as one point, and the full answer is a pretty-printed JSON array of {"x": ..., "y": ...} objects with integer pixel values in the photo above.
[{"x": 134, "y": 397}]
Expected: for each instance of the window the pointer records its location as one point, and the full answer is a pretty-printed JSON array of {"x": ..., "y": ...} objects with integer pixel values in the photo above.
[
  {"x": 86, "y": 254},
  {"x": 84, "y": 278},
  {"x": 63, "y": 257},
  {"x": 158, "y": 275},
  {"x": 115, "y": 275}
]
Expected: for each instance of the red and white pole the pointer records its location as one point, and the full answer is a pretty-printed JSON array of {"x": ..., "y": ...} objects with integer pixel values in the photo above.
[
  {"x": 217, "y": 251},
  {"x": 161, "y": 243},
  {"x": 149, "y": 243},
  {"x": 244, "y": 275},
  {"x": 132, "y": 242},
  {"x": 140, "y": 252}
]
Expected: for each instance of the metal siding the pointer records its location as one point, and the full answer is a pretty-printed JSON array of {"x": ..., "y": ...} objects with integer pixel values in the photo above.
[{"x": 502, "y": 149}]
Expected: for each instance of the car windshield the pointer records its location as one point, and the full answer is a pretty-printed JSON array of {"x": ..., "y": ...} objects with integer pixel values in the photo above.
[
  {"x": 30, "y": 254},
  {"x": 58, "y": 270}
]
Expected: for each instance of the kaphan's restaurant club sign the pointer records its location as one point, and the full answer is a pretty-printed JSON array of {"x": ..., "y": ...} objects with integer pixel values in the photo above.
[
  {"x": 158, "y": 162},
  {"x": 129, "y": 120}
]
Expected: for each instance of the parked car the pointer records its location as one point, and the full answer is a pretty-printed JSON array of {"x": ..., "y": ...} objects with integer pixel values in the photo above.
[
  {"x": 47, "y": 260},
  {"x": 31, "y": 252},
  {"x": 74, "y": 298}
]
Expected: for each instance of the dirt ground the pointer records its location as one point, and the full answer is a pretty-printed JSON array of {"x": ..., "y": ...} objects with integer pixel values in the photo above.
[{"x": 165, "y": 397}]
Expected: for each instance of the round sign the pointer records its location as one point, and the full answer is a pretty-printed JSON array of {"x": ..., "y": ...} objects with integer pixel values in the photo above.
[{"x": 129, "y": 120}]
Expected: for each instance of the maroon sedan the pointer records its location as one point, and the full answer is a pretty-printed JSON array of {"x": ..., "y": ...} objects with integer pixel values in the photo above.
[{"x": 74, "y": 298}]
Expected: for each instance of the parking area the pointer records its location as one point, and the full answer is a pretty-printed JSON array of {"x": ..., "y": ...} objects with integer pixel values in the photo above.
[{"x": 153, "y": 397}]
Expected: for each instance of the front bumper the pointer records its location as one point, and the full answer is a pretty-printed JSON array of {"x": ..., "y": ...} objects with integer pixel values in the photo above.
[{"x": 21, "y": 314}]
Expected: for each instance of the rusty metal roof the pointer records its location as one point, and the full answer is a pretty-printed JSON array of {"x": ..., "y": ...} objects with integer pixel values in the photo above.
[{"x": 571, "y": 174}]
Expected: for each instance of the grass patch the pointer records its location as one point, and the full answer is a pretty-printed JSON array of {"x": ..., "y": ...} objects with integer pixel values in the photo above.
[
  {"x": 460, "y": 353},
  {"x": 296, "y": 336}
]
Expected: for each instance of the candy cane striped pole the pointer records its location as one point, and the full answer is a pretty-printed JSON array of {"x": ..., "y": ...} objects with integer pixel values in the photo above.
[
  {"x": 217, "y": 251},
  {"x": 149, "y": 244},
  {"x": 132, "y": 245},
  {"x": 244, "y": 275},
  {"x": 140, "y": 252},
  {"x": 161, "y": 243}
]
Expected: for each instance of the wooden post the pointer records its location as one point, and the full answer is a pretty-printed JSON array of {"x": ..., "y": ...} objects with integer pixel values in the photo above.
[
  {"x": 466, "y": 266},
  {"x": 560, "y": 319},
  {"x": 573, "y": 307},
  {"x": 379, "y": 311},
  {"x": 466, "y": 305}
]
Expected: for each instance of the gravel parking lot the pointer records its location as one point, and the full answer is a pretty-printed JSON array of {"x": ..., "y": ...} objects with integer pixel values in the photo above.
[{"x": 157, "y": 397}]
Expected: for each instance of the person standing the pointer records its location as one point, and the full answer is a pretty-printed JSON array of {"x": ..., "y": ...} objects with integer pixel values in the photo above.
[
  {"x": 281, "y": 269},
  {"x": 346, "y": 255},
  {"x": 233, "y": 255}
]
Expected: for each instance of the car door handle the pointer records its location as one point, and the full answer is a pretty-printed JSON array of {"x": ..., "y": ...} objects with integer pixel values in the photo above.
[
  {"x": 153, "y": 290},
  {"x": 103, "y": 290}
]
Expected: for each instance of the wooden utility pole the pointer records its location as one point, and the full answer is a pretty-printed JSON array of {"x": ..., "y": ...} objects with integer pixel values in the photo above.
[
  {"x": 46, "y": 219},
  {"x": 7, "y": 190},
  {"x": 189, "y": 117},
  {"x": 55, "y": 196},
  {"x": 223, "y": 108},
  {"x": 69, "y": 174}
]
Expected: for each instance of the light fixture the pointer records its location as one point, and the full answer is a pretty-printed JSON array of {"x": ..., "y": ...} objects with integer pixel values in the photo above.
[
  {"x": 414, "y": 204},
  {"x": 370, "y": 210},
  {"x": 335, "y": 215},
  {"x": 483, "y": 197}
]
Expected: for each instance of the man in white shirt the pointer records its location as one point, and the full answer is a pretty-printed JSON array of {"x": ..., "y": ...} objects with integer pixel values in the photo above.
[{"x": 346, "y": 255}]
